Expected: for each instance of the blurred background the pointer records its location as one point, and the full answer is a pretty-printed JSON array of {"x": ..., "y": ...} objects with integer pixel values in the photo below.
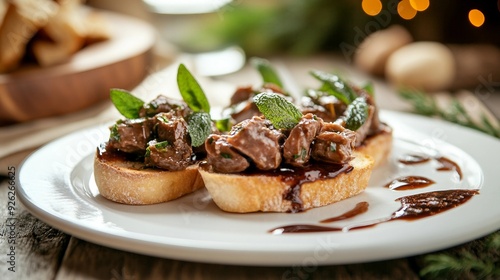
[
  {"x": 469, "y": 30},
  {"x": 422, "y": 45},
  {"x": 304, "y": 27}
]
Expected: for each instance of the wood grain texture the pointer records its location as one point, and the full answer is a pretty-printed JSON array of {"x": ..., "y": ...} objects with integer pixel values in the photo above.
[
  {"x": 41, "y": 96},
  {"x": 105, "y": 263},
  {"x": 38, "y": 247},
  {"x": 43, "y": 252}
]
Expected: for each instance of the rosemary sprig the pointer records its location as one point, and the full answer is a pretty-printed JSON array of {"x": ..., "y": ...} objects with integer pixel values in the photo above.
[
  {"x": 425, "y": 104},
  {"x": 475, "y": 260}
]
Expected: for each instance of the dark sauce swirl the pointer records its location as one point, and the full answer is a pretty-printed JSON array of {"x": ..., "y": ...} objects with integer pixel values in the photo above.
[
  {"x": 409, "y": 183},
  {"x": 445, "y": 164},
  {"x": 413, "y": 207},
  {"x": 295, "y": 177}
]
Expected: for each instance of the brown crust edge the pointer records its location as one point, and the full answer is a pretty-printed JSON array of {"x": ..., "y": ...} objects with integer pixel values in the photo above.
[
  {"x": 124, "y": 182},
  {"x": 378, "y": 147},
  {"x": 243, "y": 194}
]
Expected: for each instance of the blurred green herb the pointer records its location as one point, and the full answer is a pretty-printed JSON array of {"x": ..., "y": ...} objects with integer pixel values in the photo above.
[
  {"x": 199, "y": 127},
  {"x": 266, "y": 71},
  {"x": 223, "y": 125},
  {"x": 294, "y": 27},
  {"x": 356, "y": 114},
  {"x": 479, "y": 259},
  {"x": 199, "y": 122},
  {"x": 191, "y": 91},
  {"x": 426, "y": 104},
  {"x": 127, "y": 104},
  {"x": 336, "y": 86},
  {"x": 162, "y": 145},
  {"x": 369, "y": 88}
]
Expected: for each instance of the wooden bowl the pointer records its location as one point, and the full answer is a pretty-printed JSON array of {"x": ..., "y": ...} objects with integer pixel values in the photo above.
[{"x": 33, "y": 92}]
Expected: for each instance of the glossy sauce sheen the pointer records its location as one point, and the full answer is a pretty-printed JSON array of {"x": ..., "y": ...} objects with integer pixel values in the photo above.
[
  {"x": 360, "y": 208},
  {"x": 413, "y": 159},
  {"x": 295, "y": 177},
  {"x": 412, "y": 207},
  {"x": 110, "y": 155},
  {"x": 446, "y": 164},
  {"x": 409, "y": 183},
  {"x": 449, "y": 165},
  {"x": 427, "y": 204},
  {"x": 138, "y": 159}
]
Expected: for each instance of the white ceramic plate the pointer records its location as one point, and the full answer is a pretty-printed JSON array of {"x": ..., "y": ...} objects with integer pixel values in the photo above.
[{"x": 57, "y": 186}]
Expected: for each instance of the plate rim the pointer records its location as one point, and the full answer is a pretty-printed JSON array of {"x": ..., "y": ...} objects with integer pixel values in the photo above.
[{"x": 185, "y": 251}]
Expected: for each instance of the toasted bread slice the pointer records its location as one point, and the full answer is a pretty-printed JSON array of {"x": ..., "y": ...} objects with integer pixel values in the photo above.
[
  {"x": 132, "y": 183},
  {"x": 378, "y": 146},
  {"x": 252, "y": 193},
  {"x": 241, "y": 193}
]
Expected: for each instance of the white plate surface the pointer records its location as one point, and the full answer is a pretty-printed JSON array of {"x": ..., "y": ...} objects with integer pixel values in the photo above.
[{"x": 57, "y": 186}]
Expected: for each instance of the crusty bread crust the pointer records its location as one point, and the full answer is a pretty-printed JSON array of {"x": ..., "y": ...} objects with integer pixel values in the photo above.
[
  {"x": 378, "y": 147},
  {"x": 253, "y": 193},
  {"x": 130, "y": 183}
]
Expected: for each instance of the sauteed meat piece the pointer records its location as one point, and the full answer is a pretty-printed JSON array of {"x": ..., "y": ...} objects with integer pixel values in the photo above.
[
  {"x": 297, "y": 147},
  {"x": 130, "y": 135},
  {"x": 334, "y": 144},
  {"x": 257, "y": 139},
  {"x": 165, "y": 104},
  {"x": 223, "y": 157},
  {"x": 171, "y": 149}
]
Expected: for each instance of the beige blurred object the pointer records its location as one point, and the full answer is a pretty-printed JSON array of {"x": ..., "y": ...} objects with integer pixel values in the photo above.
[
  {"x": 50, "y": 31},
  {"x": 84, "y": 79},
  {"x": 373, "y": 53},
  {"x": 67, "y": 34},
  {"x": 473, "y": 62},
  {"x": 3, "y": 9},
  {"x": 23, "y": 18},
  {"x": 72, "y": 28},
  {"x": 428, "y": 66}
]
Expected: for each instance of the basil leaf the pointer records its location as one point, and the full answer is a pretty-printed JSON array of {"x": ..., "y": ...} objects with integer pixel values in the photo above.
[
  {"x": 266, "y": 71},
  {"x": 127, "y": 104},
  {"x": 191, "y": 91},
  {"x": 335, "y": 86},
  {"x": 356, "y": 114},
  {"x": 279, "y": 111},
  {"x": 199, "y": 127}
]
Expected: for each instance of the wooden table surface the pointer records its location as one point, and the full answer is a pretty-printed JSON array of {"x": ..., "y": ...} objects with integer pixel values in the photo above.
[{"x": 43, "y": 252}]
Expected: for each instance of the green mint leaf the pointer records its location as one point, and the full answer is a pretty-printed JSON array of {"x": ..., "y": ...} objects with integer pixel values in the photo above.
[
  {"x": 199, "y": 127},
  {"x": 162, "y": 145},
  {"x": 334, "y": 85},
  {"x": 127, "y": 104},
  {"x": 266, "y": 71},
  {"x": 223, "y": 125},
  {"x": 279, "y": 111},
  {"x": 356, "y": 114},
  {"x": 191, "y": 91},
  {"x": 369, "y": 88}
]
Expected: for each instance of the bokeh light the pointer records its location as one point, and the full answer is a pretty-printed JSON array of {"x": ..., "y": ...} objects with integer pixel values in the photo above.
[
  {"x": 419, "y": 5},
  {"x": 405, "y": 10},
  {"x": 476, "y": 17},
  {"x": 371, "y": 7}
]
